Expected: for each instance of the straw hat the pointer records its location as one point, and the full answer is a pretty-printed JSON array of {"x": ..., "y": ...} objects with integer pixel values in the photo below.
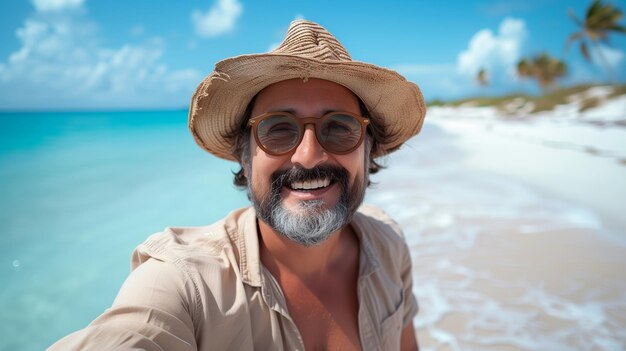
[{"x": 308, "y": 51}]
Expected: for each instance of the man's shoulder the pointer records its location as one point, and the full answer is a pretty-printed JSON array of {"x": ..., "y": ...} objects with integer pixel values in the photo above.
[
  {"x": 179, "y": 244},
  {"x": 374, "y": 215},
  {"x": 380, "y": 229}
]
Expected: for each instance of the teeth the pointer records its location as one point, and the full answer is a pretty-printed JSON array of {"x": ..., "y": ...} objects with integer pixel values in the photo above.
[{"x": 311, "y": 184}]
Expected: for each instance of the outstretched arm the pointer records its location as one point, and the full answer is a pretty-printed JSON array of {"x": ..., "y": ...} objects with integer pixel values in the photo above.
[{"x": 151, "y": 312}]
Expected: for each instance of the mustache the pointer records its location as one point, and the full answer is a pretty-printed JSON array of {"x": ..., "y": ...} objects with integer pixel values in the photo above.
[{"x": 284, "y": 177}]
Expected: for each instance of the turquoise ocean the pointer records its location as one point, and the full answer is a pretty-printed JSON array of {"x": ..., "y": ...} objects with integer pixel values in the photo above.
[{"x": 78, "y": 192}]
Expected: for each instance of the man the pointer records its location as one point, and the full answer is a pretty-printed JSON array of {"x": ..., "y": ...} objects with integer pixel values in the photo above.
[{"x": 302, "y": 268}]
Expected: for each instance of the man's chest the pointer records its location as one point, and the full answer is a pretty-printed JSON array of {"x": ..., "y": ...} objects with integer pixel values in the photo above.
[{"x": 326, "y": 317}]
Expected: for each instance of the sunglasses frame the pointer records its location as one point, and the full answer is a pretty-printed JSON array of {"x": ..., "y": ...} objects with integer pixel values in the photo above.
[{"x": 302, "y": 122}]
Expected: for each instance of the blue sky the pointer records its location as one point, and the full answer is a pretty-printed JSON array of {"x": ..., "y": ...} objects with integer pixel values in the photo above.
[{"x": 86, "y": 54}]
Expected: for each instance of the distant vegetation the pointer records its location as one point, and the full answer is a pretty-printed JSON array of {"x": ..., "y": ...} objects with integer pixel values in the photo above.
[
  {"x": 543, "y": 68},
  {"x": 482, "y": 78},
  {"x": 515, "y": 103}
]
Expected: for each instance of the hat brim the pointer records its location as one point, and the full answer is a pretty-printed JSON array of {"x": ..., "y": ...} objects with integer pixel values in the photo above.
[{"x": 219, "y": 102}]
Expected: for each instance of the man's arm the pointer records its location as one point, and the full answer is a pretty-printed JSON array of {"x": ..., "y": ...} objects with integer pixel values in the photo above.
[
  {"x": 408, "y": 342},
  {"x": 151, "y": 312}
]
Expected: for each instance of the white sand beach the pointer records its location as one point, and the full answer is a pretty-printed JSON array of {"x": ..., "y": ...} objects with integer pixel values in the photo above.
[{"x": 516, "y": 227}]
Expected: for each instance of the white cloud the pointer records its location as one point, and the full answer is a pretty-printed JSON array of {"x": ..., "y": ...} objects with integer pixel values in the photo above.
[
  {"x": 219, "y": 19},
  {"x": 56, "y": 5},
  {"x": 180, "y": 80},
  {"x": 498, "y": 53},
  {"x": 60, "y": 65}
]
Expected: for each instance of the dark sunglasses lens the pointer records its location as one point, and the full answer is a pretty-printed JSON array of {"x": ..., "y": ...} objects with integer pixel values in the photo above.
[
  {"x": 278, "y": 133},
  {"x": 340, "y": 133}
]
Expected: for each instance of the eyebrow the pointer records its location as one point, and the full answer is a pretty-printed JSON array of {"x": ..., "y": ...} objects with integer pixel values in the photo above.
[{"x": 294, "y": 112}]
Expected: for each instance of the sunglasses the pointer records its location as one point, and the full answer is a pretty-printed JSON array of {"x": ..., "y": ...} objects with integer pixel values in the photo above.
[{"x": 278, "y": 133}]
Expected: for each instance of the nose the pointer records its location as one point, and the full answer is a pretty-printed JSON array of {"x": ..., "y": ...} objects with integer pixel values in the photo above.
[{"x": 309, "y": 153}]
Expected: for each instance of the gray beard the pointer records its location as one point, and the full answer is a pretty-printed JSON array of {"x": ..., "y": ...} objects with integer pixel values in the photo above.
[{"x": 311, "y": 224}]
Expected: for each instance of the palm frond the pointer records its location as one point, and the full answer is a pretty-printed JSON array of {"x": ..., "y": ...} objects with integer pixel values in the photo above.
[
  {"x": 602, "y": 16},
  {"x": 593, "y": 10},
  {"x": 572, "y": 38},
  {"x": 585, "y": 51},
  {"x": 574, "y": 18},
  {"x": 617, "y": 28},
  {"x": 601, "y": 19}
]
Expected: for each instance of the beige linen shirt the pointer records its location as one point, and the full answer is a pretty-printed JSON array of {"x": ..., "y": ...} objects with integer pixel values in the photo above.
[{"x": 205, "y": 288}]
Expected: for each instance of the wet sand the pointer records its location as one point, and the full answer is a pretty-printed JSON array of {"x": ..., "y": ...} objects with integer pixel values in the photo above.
[{"x": 547, "y": 290}]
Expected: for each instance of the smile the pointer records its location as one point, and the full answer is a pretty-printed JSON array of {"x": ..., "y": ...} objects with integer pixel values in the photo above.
[{"x": 310, "y": 184}]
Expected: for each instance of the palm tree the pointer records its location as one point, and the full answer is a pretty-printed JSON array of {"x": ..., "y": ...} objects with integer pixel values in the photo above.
[
  {"x": 600, "y": 21},
  {"x": 544, "y": 68},
  {"x": 523, "y": 68},
  {"x": 482, "y": 78}
]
